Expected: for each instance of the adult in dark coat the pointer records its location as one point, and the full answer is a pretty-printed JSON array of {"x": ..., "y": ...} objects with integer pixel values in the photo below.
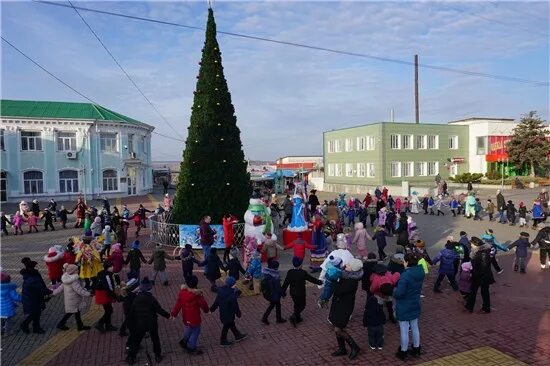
[
  {"x": 34, "y": 296},
  {"x": 226, "y": 300},
  {"x": 313, "y": 201},
  {"x": 105, "y": 296},
  {"x": 213, "y": 265},
  {"x": 341, "y": 308},
  {"x": 35, "y": 208},
  {"x": 403, "y": 231},
  {"x": 143, "y": 317},
  {"x": 368, "y": 270},
  {"x": 296, "y": 278},
  {"x": 482, "y": 276},
  {"x": 501, "y": 207},
  {"x": 542, "y": 240},
  {"x": 206, "y": 237}
]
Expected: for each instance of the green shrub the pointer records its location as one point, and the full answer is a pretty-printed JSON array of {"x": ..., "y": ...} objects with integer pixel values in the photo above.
[
  {"x": 467, "y": 177},
  {"x": 493, "y": 175}
]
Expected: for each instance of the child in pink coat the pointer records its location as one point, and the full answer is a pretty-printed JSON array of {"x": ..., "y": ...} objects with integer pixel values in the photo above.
[
  {"x": 398, "y": 205},
  {"x": 18, "y": 223},
  {"x": 360, "y": 239},
  {"x": 32, "y": 221}
]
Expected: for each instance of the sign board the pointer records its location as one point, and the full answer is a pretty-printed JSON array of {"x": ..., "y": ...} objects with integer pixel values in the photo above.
[
  {"x": 190, "y": 234},
  {"x": 458, "y": 160},
  {"x": 497, "y": 145}
]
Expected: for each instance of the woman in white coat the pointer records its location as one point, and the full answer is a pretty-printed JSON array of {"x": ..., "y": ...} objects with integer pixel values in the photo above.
[{"x": 73, "y": 294}]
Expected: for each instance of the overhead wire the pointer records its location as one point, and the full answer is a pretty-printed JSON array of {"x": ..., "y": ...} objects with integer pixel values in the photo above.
[
  {"x": 317, "y": 48},
  {"x": 123, "y": 70},
  {"x": 67, "y": 84}
]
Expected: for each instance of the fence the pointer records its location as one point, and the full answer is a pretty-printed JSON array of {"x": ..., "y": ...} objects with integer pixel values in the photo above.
[{"x": 168, "y": 234}]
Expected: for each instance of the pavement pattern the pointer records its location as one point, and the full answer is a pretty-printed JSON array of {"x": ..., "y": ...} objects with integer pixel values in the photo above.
[{"x": 518, "y": 327}]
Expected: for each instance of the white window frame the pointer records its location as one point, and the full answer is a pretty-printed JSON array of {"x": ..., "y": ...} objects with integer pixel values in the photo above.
[
  {"x": 111, "y": 183},
  {"x": 361, "y": 170},
  {"x": 361, "y": 143},
  {"x": 423, "y": 139},
  {"x": 2, "y": 140},
  {"x": 371, "y": 142},
  {"x": 72, "y": 182},
  {"x": 410, "y": 142},
  {"x": 408, "y": 169},
  {"x": 338, "y": 146},
  {"x": 435, "y": 168},
  {"x": 65, "y": 141},
  {"x": 33, "y": 138},
  {"x": 453, "y": 170},
  {"x": 143, "y": 142},
  {"x": 108, "y": 142},
  {"x": 349, "y": 144},
  {"x": 421, "y": 168},
  {"x": 330, "y": 170},
  {"x": 338, "y": 170},
  {"x": 36, "y": 183},
  {"x": 331, "y": 145},
  {"x": 395, "y": 138},
  {"x": 349, "y": 169},
  {"x": 435, "y": 141},
  {"x": 371, "y": 170},
  {"x": 395, "y": 169},
  {"x": 453, "y": 142},
  {"x": 483, "y": 150}
]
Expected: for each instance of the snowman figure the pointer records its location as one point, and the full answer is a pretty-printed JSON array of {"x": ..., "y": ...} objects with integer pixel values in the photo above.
[{"x": 257, "y": 219}]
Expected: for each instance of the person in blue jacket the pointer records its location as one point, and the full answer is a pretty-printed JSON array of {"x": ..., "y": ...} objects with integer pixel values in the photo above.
[
  {"x": 489, "y": 238},
  {"x": 8, "y": 299},
  {"x": 34, "y": 295},
  {"x": 272, "y": 280},
  {"x": 407, "y": 305},
  {"x": 226, "y": 300},
  {"x": 447, "y": 258}
]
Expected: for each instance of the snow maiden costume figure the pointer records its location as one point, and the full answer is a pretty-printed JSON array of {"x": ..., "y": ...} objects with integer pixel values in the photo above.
[
  {"x": 297, "y": 235},
  {"x": 257, "y": 222},
  {"x": 415, "y": 203}
]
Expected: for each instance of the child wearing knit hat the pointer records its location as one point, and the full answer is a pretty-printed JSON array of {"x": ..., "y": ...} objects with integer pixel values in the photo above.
[
  {"x": 226, "y": 300},
  {"x": 8, "y": 299},
  {"x": 521, "y": 246},
  {"x": 333, "y": 273},
  {"x": 272, "y": 291},
  {"x": 73, "y": 294},
  {"x": 296, "y": 278}
]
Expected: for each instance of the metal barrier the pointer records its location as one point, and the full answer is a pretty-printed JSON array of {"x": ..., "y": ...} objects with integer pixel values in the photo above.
[{"x": 168, "y": 234}]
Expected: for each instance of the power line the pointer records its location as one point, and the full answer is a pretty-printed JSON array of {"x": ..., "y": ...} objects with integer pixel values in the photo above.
[
  {"x": 317, "y": 48},
  {"x": 68, "y": 85},
  {"x": 123, "y": 70}
]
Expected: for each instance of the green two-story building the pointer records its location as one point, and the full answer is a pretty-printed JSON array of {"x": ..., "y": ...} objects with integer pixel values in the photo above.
[{"x": 388, "y": 153}]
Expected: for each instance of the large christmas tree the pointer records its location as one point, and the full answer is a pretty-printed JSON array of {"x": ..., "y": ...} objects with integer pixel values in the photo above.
[{"x": 213, "y": 179}]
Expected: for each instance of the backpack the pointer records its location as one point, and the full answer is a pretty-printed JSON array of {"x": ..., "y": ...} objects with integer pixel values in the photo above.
[{"x": 265, "y": 287}]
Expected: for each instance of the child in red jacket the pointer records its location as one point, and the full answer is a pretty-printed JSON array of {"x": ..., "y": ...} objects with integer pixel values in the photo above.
[
  {"x": 300, "y": 246},
  {"x": 191, "y": 301},
  {"x": 54, "y": 261},
  {"x": 70, "y": 256}
]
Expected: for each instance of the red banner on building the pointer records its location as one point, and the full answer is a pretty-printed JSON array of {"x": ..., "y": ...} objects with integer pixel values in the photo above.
[{"x": 497, "y": 148}]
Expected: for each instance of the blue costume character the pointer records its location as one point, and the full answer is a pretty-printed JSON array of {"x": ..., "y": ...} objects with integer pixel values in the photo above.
[{"x": 298, "y": 222}]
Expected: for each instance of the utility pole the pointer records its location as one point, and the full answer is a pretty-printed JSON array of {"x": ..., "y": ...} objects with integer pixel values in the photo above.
[{"x": 417, "y": 111}]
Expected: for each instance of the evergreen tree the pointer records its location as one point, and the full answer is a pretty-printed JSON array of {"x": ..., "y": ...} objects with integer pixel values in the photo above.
[
  {"x": 213, "y": 179},
  {"x": 528, "y": 144}
]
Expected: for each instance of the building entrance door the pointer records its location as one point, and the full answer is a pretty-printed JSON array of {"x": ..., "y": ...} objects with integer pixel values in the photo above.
[{"x": 131, "y": 181}]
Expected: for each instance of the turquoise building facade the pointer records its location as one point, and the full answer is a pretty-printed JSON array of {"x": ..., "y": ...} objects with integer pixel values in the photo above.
[{"x": 63, "y": 150}]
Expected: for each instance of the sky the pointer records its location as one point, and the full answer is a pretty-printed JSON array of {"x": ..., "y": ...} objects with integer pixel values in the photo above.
[{"x": 284, "y": 96}]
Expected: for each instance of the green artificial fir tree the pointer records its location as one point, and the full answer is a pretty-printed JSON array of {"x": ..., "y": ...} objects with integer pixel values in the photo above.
[
  {"x": 528, "y": 145},
  {"x": 213, "y": 179}
]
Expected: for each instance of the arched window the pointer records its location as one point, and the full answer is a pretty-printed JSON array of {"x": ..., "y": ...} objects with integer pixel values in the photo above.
[
  {"x": 33, "y": 182},
  {"x": 110, "y": 180},
  {"x": 68, "y": 181}
]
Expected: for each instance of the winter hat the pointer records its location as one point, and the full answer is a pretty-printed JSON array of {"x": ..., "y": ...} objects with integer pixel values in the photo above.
[
  {"x": 146, "y": 285},
  {"x": 371, "y": 256},
  {"x": 28, "y": 263},
  {"x": 466, "y": 266},
  {"x": 192, "y": 281},
  {"x": 4, "y": 277},
  {"x": 489, "y": 231},
  {"x": 524, "y": 234},
  {"x": 116, "y": 247},
  {"x": 107, "y": 265},
  {"x": 230, "y": 281},
  {"x": 273, "y": 265},
  {"x": 386, "y": 289},
  {"x": 335, "y": 261},
  {"x": 449, "y": 245},
  {"x": 234, "y": 252},
  {"x": 52, "y": 250},
  {"x": 107, "y": 228},
  {"x": 70, "y": 268},
  {"x": 97, "y": 219},
  {"x": 297, "y": 262},
  {"x": 188, "y": 246},
  {"x": 380, "y": 269},
  {"x": 135, "y": 244},
  {"x": 521, "y": 204},
  {"x": 358, "y": 226},
  {"x": 420, "y": 244},
  {"x": 341, "y": 241},
  {"x": 355, "y": 265},
  {"x": 87, "y": 237},
  {"x": 158, "y": 246},
  {"x": 462, "y": 233},
  {"x": 475, "y": 241},
  {"x": 399, "y": 249}
]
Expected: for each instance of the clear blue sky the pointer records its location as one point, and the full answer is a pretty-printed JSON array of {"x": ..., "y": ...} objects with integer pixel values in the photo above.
[{"x": 285, "y": 97}]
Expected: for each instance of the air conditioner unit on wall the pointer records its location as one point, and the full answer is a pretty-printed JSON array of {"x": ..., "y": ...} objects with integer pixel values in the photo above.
[{"x": 70, "y": 155}]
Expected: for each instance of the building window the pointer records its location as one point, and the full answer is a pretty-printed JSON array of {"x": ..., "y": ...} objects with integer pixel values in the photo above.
[
  {"x": 2, "y": 143},
  {"x": 408, "y": 169},
  {"x": 338, "y": 172},
  {"x": 421, "y": 141},
  {"x": 454, "y": 170},
  {"x": 66, "y": 141},
  {"x": 481, "y": 145},
  {"x": 3, "y": 186},
  {"x": 395, "y": 141},
  {"x": 433, "y": 142},
  {"x": 68, "y": 181},
  {"x": 349, "y": 170},
  {"x": 108, "y": 142},
  {"x": 331, "y": 146},
  {"x": 349, "y": 145},
  {"x": 361, "y": 144},
  {"x": 361, "y": 170},
  {"x": 453, "y": 142},
  {"x": 130, "y": 143},
  {"x": 370, "y": 170},
  {"x": 408, "y": 142},
  {"x": 31, "y": 141},
  {"x": 338, "y": 146},
  {"x": 143, "y": 146},
  {"x": 331, "y": 170},
  {"x": 370, "y": 142},
  {"x": 110, "y": 180},
  {"x": 421, "y": 168},
  {"x": 33, "y": 183},
  {"x": 433, "y": 168},
  {"x": 395, "y": 169}
]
